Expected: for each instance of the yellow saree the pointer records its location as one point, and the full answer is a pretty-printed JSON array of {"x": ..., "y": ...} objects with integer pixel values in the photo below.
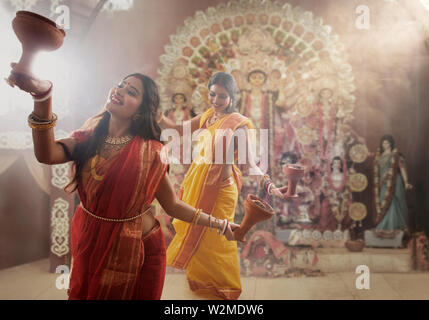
[{"x": 211, "y": 261}]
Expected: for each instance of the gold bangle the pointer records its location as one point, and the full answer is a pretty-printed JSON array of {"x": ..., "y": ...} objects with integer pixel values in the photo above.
[
  {"x": 42, "y": 127},
  {"x": 219, "y": 230},
  {"x": 198, "y": 215},
  {"x": 263, "y": 181},
  {"x": 193, "y": 217},
  {"x": 225, "y": 225},
  {"x": 36, "y": 120},
  {"x": 38, "y": 124}
]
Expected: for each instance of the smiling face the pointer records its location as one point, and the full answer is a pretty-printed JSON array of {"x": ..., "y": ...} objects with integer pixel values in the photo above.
[
  {"x": 219, "y": 98},
  {"x": 125, "y": 98}
]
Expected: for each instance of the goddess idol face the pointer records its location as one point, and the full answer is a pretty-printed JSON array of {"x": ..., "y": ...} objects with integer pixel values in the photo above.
[
  {"x": 257, "y": 78},
  {"x": 325, "y": 93},
  {"x": 179, "y": 98},
  {"x": 386, "y": 145}
]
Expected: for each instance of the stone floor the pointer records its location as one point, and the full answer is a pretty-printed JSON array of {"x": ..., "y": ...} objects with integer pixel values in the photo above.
[
  {"x": 33, "y": 282},
  {"x": 377, "y": 259}
]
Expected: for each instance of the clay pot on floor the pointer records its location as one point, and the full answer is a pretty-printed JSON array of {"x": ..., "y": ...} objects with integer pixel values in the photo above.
[{"x": 355, "y": 245}]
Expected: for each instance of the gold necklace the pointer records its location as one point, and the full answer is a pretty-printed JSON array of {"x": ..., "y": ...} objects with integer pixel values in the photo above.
[
  {"x": 214, "y": 118},
  {"x": 118, "y": 140},
  {"x": 109, "y": 143},
  {"x": 116, "y": 143}
]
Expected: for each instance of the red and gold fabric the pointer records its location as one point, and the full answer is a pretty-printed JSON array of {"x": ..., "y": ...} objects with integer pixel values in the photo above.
[{"x": 110, "y": 259}]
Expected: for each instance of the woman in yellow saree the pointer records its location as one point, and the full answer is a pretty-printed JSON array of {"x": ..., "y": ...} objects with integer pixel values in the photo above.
[{"x": 212, "y": 266}]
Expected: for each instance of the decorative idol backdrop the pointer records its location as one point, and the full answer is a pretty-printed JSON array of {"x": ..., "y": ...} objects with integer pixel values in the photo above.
[{"x": 294, "y": 80}]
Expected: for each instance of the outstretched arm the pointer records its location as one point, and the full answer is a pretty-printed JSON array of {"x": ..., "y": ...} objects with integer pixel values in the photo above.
[
  {"x": 182, "y": 211},
  {"x": 46, "y": 149},
  {"x": 255, "y": 172}
]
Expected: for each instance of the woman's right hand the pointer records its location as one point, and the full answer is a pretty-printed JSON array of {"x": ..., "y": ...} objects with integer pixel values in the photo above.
[{"x": 27, "y": 83}]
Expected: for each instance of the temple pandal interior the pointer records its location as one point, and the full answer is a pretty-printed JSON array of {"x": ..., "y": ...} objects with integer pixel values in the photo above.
[{"x": 340, "y": 87}]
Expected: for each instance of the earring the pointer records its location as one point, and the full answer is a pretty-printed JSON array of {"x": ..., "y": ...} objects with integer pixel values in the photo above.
[{"x": 137, "y": 117}]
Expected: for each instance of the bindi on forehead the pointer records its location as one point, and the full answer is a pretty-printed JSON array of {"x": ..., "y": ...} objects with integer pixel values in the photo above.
[{"x": 136, "y": 85}]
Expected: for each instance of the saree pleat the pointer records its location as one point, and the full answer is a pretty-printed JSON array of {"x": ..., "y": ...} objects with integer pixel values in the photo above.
[
  {"x": 396, "y": 217},
  {"x": 150, "y": 280}
]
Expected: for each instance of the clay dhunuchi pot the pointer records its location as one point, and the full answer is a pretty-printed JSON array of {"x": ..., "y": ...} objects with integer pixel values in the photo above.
[
  {"x": 36, "y": 33},
  {"x": 255, "y": 210},
  {"x": 355, "y": 245},
  {"x": 293, "y": 172}
]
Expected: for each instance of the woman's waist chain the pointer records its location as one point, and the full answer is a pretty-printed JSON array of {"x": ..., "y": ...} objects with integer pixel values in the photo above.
[{"x": 113, "y": 219}]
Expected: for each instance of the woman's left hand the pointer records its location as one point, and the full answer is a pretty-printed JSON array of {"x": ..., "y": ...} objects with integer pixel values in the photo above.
[
  {"x": 408, "y": 186},
  {"x": 229, "y": 232}
]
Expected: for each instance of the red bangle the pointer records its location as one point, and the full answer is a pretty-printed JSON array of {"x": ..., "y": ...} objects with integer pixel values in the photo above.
[{"x": 42, "y": 95}]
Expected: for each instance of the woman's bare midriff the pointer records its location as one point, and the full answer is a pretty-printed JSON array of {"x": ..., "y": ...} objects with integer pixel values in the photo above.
[
  {"x": 226, "y": 171},
  {"x": 148, "y": 223}
]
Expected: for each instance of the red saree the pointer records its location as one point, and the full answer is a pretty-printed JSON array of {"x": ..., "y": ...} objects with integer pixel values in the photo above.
[{"x": 111, "y": 260}]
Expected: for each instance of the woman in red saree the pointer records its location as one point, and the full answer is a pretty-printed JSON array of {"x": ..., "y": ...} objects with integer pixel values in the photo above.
[{"x": 118, "y": 249}]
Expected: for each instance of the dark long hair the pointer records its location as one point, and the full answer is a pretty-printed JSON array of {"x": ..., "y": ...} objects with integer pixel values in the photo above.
[
  {"x": 144, "y": 126},
  {"x": 227, "y": 81}
]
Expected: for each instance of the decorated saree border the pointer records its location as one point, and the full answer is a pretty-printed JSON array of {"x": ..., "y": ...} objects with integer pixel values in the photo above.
[
  {"x": 226, "y": 294},
  {"x": 390, "y": 180},
  {"x": 208, "y": 194}
]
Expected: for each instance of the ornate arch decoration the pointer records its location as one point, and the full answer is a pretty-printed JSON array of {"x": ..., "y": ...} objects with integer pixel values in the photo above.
[
  {"x": 246, "y": 35},
  {"x": 300, "y": 58}
]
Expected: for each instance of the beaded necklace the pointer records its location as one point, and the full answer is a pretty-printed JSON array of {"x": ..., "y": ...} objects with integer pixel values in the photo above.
[{"x": 214, "y": 118}]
